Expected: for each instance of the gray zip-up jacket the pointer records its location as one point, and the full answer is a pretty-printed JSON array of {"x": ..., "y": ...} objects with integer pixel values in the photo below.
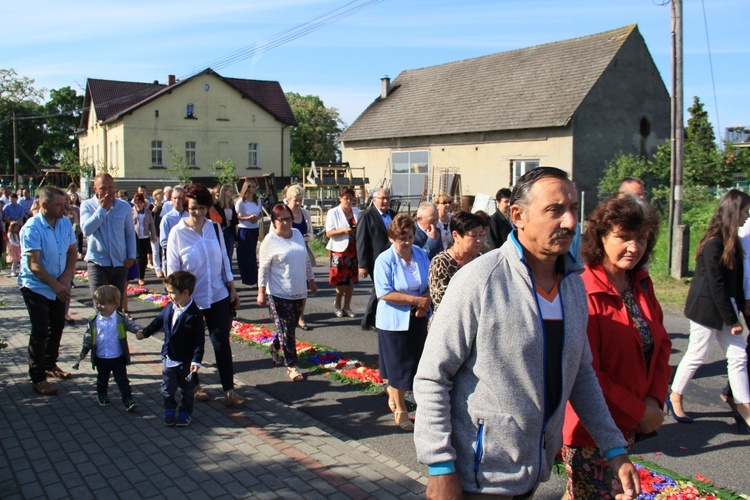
[{"x": 480, "y": 384}]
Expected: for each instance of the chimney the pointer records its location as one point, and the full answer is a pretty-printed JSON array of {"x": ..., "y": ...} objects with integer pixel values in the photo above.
[
  {"x": 385, "y": 87},
  {"x": 170, "y": 80}
]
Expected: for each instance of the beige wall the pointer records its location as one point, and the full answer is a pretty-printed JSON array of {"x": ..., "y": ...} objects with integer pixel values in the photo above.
[
  {"x": 221, "y": 116},
  {"x": 483, "y": 160}
]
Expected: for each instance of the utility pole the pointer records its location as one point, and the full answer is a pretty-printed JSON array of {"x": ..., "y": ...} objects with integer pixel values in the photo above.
[
  {"x": 679, "y": 235},
  {"x": 15, "y": 155}
]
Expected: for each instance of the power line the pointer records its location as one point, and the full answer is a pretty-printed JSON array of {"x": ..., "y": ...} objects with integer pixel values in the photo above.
[
  {"x": 283, "y": 37},
  {"x": 711, "y": 70}
]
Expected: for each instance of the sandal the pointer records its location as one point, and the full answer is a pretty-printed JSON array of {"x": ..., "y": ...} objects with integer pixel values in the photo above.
[
  {"x": 349, "y": 313},
  {"x": 303, "y": 326},
  {"x": 294, "y": 374},
  {"x": 392, "y": 405},
  {"x": 407, "y": 425},
  {"x": 275, "y": 356}
]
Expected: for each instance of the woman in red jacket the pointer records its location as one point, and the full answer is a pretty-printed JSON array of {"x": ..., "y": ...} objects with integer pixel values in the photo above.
[{"x": 628, "y": 341}]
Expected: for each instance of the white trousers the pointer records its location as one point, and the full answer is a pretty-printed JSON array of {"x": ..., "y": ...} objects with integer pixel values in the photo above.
[
  {"x": 156, "y": 255},
  {"x": 734, "y": 351}
]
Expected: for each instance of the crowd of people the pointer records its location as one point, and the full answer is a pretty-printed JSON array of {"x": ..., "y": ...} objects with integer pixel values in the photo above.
[{"x": 523, "y": 337}]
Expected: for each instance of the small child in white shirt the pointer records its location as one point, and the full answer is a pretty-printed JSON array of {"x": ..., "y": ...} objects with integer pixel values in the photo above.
[{"x": 106, "y": 338}]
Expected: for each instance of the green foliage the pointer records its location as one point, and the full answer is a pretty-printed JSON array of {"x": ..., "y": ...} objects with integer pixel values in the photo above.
[
  {"x": 65, "y": 106},
  {"x": 19, "y": 97},
  {"x": 179, "y": 167},
  {"x": 315, "y": 138},
  {"x": 653, "y": 172},
  {"x": 225, "y": 171},
  {"x": 69, "y": 161}
]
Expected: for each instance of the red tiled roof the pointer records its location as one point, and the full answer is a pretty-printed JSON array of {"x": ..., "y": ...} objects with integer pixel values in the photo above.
[{"x": 112, "y": 98}]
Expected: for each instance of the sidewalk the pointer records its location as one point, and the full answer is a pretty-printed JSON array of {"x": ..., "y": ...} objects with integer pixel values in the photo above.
[{"x": 67, "y": 446}]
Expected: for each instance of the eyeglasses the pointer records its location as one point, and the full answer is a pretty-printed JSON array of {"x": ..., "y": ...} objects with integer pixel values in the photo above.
[
  {"x": 284, "y": 219},
  {"x": 445, "y": 203},
  {"x": 382, "y": 197}
]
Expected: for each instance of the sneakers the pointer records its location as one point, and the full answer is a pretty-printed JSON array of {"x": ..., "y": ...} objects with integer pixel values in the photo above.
[
  {"x": 183, "y": 420},
  {"x": 56, "y": 372},
  {"x": 169, "y": 418},
  {"x": 233, "y": 399},
  {"x": 200, "y": 395},
  {"x": 130, "y": 404},
  {"x": 103, "y": 400},
  {"x": 44, "y": 388}
]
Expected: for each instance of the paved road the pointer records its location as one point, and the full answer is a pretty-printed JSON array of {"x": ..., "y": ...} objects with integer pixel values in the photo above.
[{"x": 710, "y": 446}]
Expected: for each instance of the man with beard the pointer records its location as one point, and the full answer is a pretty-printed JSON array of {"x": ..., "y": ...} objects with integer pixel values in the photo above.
[{"x": 507, "y": 349}]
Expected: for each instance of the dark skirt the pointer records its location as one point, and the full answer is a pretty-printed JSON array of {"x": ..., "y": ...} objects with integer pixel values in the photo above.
[{"x": 400, "y": 351}]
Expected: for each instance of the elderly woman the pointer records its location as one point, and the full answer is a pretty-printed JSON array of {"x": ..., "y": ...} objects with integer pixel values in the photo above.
[
  {"x": 195, "y": 244},
  {"x": 283, "y": 282},
  {"x": 341, "y": 228},
  {"x": 444, "y": 204},
  {"x": 249, "y": 209},
  {"x": 302, "y": 222},
  {"x": 467, "y": 234},
  {"x": 629, "y": 344},
  {"x": 145, "y": 233},
  {"x": 711, "y": 306},
  {"x": 403, "y": 308}
]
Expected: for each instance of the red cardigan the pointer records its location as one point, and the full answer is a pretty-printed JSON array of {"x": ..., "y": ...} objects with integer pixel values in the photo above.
[{"x": 618, "y": 355}]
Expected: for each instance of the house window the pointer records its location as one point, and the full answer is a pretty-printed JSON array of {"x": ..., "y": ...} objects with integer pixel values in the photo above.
[
  {"x": 190, "y": 111},
  {"x": 409, "y": 170},
  {"x": 190, "y": 158},
  {"x": 520, "y": 167},
  {"x": 157, "y": 154},
  {"x": 252, "y": 155}
]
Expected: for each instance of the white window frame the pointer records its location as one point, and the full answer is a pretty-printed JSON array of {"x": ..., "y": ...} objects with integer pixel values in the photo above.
[
  {"x": 408, "y": 176},
  {"x": 191, "y": 154},
  {"x": 253, "y": 156},
  {"x": 157, "y": 154},
  {"x": 520, "y": 167}
]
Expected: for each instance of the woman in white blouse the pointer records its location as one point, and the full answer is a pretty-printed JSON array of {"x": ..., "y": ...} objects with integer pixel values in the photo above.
[
  {"x": 196, "y": 245},
  {"x": 302, "y": 222},
  {"x": 249, "y": 209},
  {"x": 341, "y": 228},
  {"x": 282, "y": 284}
]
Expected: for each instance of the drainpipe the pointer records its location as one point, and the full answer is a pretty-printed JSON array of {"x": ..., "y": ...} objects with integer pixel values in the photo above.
[{"x": 282, "y": 148}]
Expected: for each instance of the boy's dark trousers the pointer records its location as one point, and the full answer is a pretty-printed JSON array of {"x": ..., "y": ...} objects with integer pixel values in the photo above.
[
  {"x": 115, "y": 366},
  {"x": 176, "y": 377}
]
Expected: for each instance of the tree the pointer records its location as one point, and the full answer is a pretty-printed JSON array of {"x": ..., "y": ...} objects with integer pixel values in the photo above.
[
  {"x": 19, "y": 97},
  {"x": 703, "y": 163},
  {"x": 315, "y": 138},
  {"x": 179, "y": 167},
  {"x": 654, "y": 172},
  {"x": 225, "y": 171},
  {"x": 64, "y": 113}
]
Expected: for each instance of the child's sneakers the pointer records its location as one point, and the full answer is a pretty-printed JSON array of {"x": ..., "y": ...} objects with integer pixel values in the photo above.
[
  {"x": 130, "y": 404},
  {"x": 103, "y": 400},
  {"x": 183, "y": 420},
  {"x": 169, "y": 418}
]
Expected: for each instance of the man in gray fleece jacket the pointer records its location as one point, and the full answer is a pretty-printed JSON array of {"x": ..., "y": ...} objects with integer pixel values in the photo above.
[{"x": 506, "y": 350}]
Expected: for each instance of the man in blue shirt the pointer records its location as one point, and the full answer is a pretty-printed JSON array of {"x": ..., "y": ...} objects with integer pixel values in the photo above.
[
  {"x": 170, "y": 220},
  {"x": 26, "y": 200},
  {"x": 13, "y": 211},
  {"x": 107, "y": 223},
  {"x": 48, "y": 245}
]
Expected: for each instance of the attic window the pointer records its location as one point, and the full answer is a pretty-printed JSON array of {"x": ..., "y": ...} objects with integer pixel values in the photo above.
[
  {"x": 190, "y": 111},
  {"x": 156, "y": 113},
  {"x": 645, "y": 127}
]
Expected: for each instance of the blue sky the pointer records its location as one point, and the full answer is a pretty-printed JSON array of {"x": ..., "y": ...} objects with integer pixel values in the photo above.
[{"x": 62, "y": 43}]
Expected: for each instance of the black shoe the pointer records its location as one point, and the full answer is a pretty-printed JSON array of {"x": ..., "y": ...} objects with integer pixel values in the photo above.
[
  {"x": 130, "y": 404},
  {"x": 369, "y": 328},
  {"x": 183, "y": 420},
  {"x": 103, "y": 400},
  {"x": 169, "y": 418}
]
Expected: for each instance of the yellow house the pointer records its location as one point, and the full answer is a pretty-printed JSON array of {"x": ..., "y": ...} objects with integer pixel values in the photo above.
[
  {"x": 573, "y": 104},
  {"x": 131, "y": 128}
]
